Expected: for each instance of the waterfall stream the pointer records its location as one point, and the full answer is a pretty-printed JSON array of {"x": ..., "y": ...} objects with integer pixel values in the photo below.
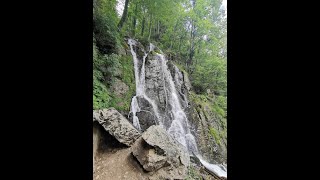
[
  {"x": 179, "y": 128},
  {"x": 176, "y": 123}
]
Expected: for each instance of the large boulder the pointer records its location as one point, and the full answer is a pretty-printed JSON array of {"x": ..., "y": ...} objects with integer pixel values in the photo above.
[
  {"x": 160, "y": 154},
  {"x": 117, "y": 125}
]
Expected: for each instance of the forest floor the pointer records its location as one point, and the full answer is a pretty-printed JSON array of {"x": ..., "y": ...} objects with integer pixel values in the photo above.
[{"x": 117, "y": 164}]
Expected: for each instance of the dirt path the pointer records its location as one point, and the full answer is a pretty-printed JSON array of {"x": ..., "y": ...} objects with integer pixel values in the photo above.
[{"x": 117, "y": 165}]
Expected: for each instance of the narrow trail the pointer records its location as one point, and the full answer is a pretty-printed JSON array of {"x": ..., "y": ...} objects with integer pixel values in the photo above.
[{"x": 117, "y": 165}]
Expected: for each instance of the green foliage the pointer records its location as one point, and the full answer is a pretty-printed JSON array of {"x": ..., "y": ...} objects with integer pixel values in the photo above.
[
  {"x": 106, "y": 68},
  {"x": 181, "y": 68},
  {"x": 127, "y": 76},
  {"x": 193, "y": 34},
  {"x": 215, "y": 135},
  {"x": 193, "y": 174},
  {"x": 128, "y": 70},
  {"x": 220, "y": 106},
  {"x": 105, "y": 22},
  {"x": 101, "y": 96},
  {"x": 112, "y": 66},
  {"x": 178, "y": 28},
  {"x": 217, "y": 109},
  {"x": 107, "y": 64},
  {"x": 211, "y": 74}
]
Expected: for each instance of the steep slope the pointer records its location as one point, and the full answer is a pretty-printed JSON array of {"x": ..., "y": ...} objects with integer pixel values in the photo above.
[{"x": 165, "y": 97}]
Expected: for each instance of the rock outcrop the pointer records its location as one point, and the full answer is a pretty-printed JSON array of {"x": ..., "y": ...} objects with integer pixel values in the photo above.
[
  {"x": 161, "y": 155},
  {"x": 117, "y": 125},
  {"x": 209, "y": 130},
  {"x": 157, "y": 88},
  {"x": 146, "y": 115}
]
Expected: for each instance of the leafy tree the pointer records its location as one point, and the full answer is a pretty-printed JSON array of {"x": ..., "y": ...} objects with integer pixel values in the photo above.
[
  {"x": 124, "y": 15},
  {"x": 191, "y": 32}
]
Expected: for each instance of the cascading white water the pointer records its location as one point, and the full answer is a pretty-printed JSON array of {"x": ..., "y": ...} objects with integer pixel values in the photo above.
[
  {"x": 135, "y": 108},
  {"x": 178, "y": 123},
  {"x": 140, "y": 87},
  {"x": 219, "y": 170},
  {"x": 179, "y": 127}
]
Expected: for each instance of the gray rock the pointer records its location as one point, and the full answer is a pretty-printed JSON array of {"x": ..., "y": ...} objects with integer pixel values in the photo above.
[
  {"x": 122, "y": 50},
  {"x": 146, "y": 116},
  {"x": 200, "y": 118},
  {"x": 158, "y": 152},
  {"x": 146, "y": 119},
  {"x": 117, "y": 125},
  {"x": 147, "y": 156},
  {"x": 119, "y": 88},
  {"x": 186, "y": 81}
]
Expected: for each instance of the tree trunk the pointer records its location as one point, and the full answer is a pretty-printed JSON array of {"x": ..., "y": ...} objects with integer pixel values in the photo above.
[
  {"x": 158, "y": 31},
  {"x": 142, "y": 28},
  {"x": 191, "y": 49},
  {"x": 150, "y": 24},
  {"x": 134, "y": 22},
  {"x": 173, "y": 36},
  {"x": 124, "y": 15}
]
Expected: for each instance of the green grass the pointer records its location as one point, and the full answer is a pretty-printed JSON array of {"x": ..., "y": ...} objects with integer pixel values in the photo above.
[
  {"x": 127, "y": 76},
  {"x": 181, "y": 68},
  {"x": 215, "y": 134},
  {"x": 102, "y": 95},
  {"x": 217, "y": 107},
  {"x": 193, "y": 174}
]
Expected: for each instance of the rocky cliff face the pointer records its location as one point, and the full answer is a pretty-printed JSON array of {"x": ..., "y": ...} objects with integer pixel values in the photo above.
[{"x": 209, "y": 131}]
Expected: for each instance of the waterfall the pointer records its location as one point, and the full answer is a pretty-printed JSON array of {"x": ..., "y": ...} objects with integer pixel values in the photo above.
[
  {"x": 140, "y": 87},
  {"x": 219, "y": 170},
  {"x": 176, "y": 121},
  {"x": 179, "y": 127}
]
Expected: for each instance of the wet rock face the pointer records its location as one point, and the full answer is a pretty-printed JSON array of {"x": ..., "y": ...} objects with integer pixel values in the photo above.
[
  {"x": 159, "y": 153},
  {"x": 156, "y": 85},
  {"x": 117, "y": 125},
  {"x": 181, "y": 85},
  {"x": 200, "y": 119},
  {"x": 156, "y": 88},
  {"x": 213, "y": 150},
  {"x": 154, "y": 81},
  {"x": 147, "y": 119},
  {"x": 146, "y": 115}
]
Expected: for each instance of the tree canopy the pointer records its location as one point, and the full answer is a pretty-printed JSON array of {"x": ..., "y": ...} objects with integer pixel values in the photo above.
[{"x": 192, "y": 33}]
